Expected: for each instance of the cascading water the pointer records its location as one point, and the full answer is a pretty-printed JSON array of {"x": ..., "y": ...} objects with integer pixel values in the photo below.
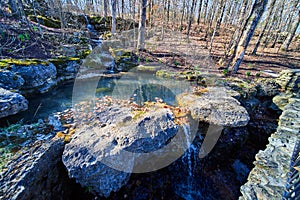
[
  {"x": 187, "y": 189},
  {"x": 93, "y": 33}
]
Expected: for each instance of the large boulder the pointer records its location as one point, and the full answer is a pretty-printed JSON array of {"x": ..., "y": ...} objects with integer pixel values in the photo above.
[
  {"x": 215, "y": 105},
  {"x": 10, "y": 81},
  {"x": 11, "y": 103},
  {"x": 35, "y": 174},
  {"x": 100, "y": 156},
  {"x": 100, "y": 58},
  {"x": 38, "y": 77}
]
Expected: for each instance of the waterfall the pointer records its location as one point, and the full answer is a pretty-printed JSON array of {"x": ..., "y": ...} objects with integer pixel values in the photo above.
[
  {"x": 187, "y": 188},
  {"x": 86, "y": 19},
  {"x": 186, "y": 129},
  {"x": 93, "y": 33}
]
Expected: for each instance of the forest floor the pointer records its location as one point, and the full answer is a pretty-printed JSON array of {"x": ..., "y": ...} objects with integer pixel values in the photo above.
[{"x": 175, "y": 50}]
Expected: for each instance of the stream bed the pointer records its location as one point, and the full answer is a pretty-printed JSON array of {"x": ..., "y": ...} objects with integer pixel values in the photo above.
[{"x": 137, "y": 86}]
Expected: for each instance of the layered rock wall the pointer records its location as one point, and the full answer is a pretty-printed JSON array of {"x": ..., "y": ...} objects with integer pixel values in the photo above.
[{"x": 267, "y": 180}]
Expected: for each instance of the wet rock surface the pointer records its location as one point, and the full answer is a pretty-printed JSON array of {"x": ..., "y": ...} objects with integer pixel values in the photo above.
[
  {"x": 11, "y": 103},
  {"x": 10, "y": 80},
  {"x": 215, "y": 106},
  {"x": 96, "y": 151},
  {"x": 37, "y": 77}
]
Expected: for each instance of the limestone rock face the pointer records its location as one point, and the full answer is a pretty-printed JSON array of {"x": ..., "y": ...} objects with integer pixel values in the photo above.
[
  {"x": 11, "y": 103},
  {"x": 267, "y": 88},
  {"x": 268, "y": 179},
  {"x": 289, "y": 80},
  {"x": 215, "y": 106},
  {"x": 100, "y": 157},
  {"x": 34, "y": 174},
  {"x": 37, "y": 77},
  {"x": 10, "y": 80}
]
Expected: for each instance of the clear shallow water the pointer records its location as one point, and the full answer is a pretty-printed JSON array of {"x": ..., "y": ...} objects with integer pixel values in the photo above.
[{"x": 140, "y": 87}]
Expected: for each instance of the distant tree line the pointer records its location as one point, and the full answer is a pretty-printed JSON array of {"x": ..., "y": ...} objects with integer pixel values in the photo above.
[{"x": 273, "y": 22}]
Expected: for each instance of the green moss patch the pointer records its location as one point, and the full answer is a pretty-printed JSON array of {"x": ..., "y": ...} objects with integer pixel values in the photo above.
[
  {"x": 52, "y": 23},
  {"x": 5, "y": 63},
  {"x": 103, "y": 89}
]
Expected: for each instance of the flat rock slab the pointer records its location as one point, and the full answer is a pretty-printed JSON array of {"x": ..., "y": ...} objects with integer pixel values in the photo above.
[
  {"x": 100, "y": 155},
  {"x": 11, "y": 103},
  {"x": 215, "y": 106}
]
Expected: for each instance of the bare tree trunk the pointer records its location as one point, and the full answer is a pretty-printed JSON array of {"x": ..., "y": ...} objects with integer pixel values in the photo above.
[
  {"x": 295, "y": 6},
  {"x": 210, "y": 18},
  {"x": 163, "y": 22},
  {"x": 133, "y": 9},
  {"x": 205, "y": 10},
  {"x": 105, "y": 7},
  {"x": 291, "y": 34},
  {"x": 182, "y": 16},
  {"x": 168, "y": 10},
  {"x": 256, "y": 13},
  {"x": 113, "y": 11},
  {"x": 191, "y": 18},
  {"x": 228, "y": 14},
  {"x": 199, "y": 12},
  {"x": 142, "y": 24},
  {"x": 280, "y": 24},
  {"x": 175, "y": 10},
  {"x": 123, "y": 11},
  {"x": 187, "y": 10},
  {"x": 270, "y": 27},
  {"x": 270, "y": 10},
  {"x": 118, "y": 8},
  {"x": 150, "y": 12},
  {"x": 236, "y": 36},
  {"x": 218, "y": 23}
]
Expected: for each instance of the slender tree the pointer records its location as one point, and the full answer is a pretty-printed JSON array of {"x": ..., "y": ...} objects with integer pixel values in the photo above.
[
  {"x": 270, "y": 10},
  {"x": 291, "y": 33},
  {"x": 270, "y": 27},
  {"x": 252, "y": 21},
  {"x": 218, "y": 23},
  {"x": 168, "y": 10},
  {"x": 113, "y": 11},
  {"x": 236, "y": 36},
  {"x": 191, "y": 18},
  {"x": 199, "y": 12},
  {"x": 182, "y": 16},
  {"x": 205, "y": 7},
  {"x": 142, "y": 25},
  {"x": 105, "y": 7},
  {"x": 280, "y": 24},
  {"x": 122, "y": 7}
]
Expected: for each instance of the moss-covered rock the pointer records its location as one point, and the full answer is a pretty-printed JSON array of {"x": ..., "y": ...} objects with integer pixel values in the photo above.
[
  {"x": 151, "y": 67},
  {"x": 6, "y": 63},
  {"x": 52, "y": 23},
  {"x": 166, "y": 74}
]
